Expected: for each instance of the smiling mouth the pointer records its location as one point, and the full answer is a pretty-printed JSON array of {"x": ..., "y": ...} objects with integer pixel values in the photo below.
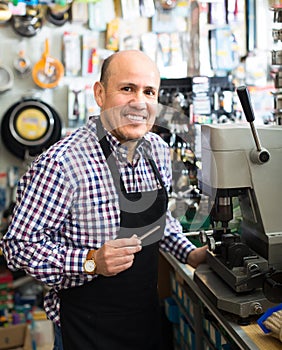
[{"x": 135, "y": 118}]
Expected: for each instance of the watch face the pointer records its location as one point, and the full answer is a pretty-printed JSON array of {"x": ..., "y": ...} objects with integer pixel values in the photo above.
[{"x": 89, "y": 266}]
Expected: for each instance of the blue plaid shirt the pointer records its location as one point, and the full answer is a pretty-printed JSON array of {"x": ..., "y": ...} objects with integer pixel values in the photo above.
[{"x": 67, "y": 203}]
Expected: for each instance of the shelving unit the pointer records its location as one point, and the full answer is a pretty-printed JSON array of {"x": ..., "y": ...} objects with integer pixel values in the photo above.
[{"x": 194, "y": 327}]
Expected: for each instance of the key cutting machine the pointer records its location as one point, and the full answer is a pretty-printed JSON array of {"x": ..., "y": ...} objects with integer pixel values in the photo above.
[{"x": 243, "y": 274}]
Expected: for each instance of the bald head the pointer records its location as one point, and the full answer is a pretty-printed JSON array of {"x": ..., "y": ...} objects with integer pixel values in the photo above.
[
  {"x": 127, "y": 94},
  {"x": 111, "y": 64}
]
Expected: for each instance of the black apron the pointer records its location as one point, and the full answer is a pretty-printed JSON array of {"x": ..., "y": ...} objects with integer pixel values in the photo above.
[{"x": 120, "y": 312}]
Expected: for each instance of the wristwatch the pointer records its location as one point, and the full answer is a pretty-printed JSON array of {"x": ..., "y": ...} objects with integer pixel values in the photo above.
[{"x": 90, "y": 264}]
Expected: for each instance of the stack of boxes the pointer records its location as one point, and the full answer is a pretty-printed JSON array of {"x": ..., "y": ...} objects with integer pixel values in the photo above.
[
  {"x": 15, "y": 336},
  {"x": 22, "y": 324},
  {"x": 181, "y": 309},
  {"x": 214, "y": 338},
  {"x": 6, "y": 293}
]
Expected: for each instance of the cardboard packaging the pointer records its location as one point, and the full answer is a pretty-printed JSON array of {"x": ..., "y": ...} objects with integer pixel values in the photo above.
[{"x": 15, "y": 336}]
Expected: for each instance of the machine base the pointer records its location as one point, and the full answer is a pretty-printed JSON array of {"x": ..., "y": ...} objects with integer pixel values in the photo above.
[{"x": 243, "y": 305}]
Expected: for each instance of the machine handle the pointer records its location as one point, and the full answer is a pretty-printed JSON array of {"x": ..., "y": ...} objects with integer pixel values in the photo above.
[
  {"x": 260, "y": 155},
  {"x": 244, "y": 98}
]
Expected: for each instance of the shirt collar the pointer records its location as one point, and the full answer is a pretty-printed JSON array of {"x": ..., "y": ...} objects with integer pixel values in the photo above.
[{"x": 119, "y": 150}]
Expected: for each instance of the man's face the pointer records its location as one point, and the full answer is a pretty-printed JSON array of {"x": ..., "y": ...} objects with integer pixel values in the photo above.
[{"x": 129, "y": 101}]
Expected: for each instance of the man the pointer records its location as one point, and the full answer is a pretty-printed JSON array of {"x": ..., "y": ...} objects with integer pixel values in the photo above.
[{"x": 85, "y": 210}]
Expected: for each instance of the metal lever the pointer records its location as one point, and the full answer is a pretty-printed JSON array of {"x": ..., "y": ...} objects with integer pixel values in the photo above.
[{"x": 260, "y": 155}]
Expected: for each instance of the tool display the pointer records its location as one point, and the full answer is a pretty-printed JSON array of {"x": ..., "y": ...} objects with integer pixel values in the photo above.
[
  {"x": 29, "y": 24},
  {"x": 6, "y": 78},
  {"x": 29, "y": 127},
  {"x": 22, "y": 64},
  {"x": 243, "y": 274},
  {"x": 48, "y": 71}
]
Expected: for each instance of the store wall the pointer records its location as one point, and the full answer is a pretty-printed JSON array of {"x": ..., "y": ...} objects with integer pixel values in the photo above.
[
  {"x": 130, "y": 30},
  {"x": 11, "y": 44},
  {"x": 181, "y": 20},
  {"x": 24, "y": 87}
]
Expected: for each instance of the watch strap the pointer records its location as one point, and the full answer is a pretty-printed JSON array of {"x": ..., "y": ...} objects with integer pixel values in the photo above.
[{"x": 91, "y": 254}]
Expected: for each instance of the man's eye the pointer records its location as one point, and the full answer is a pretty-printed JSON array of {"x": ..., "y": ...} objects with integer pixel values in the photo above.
[
  {"x": 127, "y": 88},
  {"x": 150, "y": 92}
]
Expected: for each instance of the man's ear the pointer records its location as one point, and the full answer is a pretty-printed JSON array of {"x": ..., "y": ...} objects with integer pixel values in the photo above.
[{"x": 98, "y": 90}]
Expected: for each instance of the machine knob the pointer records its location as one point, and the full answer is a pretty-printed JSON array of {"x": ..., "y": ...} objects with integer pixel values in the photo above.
[
  {"x": 203, "y": 237},
  {"x": 212, "y": 244},
  {"x": 254, "y": 268},
  {"x": 260, "y": 157},
  {"x": 256, "y": 308}
]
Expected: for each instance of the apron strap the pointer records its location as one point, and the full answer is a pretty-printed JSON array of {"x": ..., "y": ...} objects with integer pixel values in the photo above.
[{"x": 107, "y": 153}]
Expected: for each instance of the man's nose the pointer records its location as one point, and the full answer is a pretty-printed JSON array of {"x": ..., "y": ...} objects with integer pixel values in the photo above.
[{"x": 139, "y": 100}]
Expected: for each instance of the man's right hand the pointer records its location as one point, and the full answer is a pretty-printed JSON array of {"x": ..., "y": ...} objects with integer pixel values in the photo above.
[{"x": 116, "y": 255}]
